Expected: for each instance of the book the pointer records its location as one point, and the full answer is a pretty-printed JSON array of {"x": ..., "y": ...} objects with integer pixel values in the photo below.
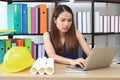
[
  {"x": 5, "y": 32},
  {"x": 33, "y": 20},
  {"x": 28, "y": 44},
  {"x": 29, "y": 20},
  {"x": 7, "y": 44},
  {"x": 19, "y": 42},
  {"x": 43, "y": 18},
  {"x": 17, "y": 18},
  {"x": 33, "y": 50},
  {"x": 79, "y": 21},
  {"x": 2, "y": 50},
  {"x": 10, "y": 16},
  {"x": 24, "y": 19}
]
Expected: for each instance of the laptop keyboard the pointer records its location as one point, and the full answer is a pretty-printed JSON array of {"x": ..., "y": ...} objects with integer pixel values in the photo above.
[{"x": 78, "y": 67}]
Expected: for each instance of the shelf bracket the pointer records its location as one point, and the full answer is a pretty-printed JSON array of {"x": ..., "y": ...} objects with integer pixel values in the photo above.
[{"x": 10, "y": 36}]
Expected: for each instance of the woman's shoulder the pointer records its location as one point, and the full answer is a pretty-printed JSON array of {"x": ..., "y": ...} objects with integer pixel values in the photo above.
[
  {"x": 45, "y": 34},
  {"x": 78, "y": 32}
]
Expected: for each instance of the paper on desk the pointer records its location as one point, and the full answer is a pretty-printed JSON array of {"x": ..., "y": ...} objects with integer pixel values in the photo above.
[
  {"x": 34, "y": 69},
  {"x": 75, "y": 73},
  {"x": 50, "y": 66},
  {"x": 39, "y": 66},
  {"x": 42, "y": 65}
]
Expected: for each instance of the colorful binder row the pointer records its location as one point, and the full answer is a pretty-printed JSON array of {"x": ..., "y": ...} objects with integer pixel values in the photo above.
[
  {"x": 27, "y": 20},
  {"x": 37, "y": 50}
]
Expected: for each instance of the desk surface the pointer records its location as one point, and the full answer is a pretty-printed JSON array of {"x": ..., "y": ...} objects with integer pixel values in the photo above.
[{"x": 110, "y": 73}]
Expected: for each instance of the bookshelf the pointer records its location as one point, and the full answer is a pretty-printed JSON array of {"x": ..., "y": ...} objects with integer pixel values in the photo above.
[
  {"x": 93, "y": 32},
  {"x": 27, "y": 1},
  {"x": 108, "y": 13},
  {"x": 92, "y": 13},
  {"x": 32, "y": 36}
]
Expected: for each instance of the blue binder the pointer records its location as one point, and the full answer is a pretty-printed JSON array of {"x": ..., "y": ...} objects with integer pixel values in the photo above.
[
  {"x": 2, "y": 50},
  {"x": 24, "y": 19}
]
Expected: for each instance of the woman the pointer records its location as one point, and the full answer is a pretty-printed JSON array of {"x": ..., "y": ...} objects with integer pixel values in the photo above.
[{"x": 62, "y": 42}]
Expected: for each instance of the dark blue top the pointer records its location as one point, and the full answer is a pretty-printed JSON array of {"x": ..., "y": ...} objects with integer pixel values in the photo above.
[{"x": 65, "y": 53}]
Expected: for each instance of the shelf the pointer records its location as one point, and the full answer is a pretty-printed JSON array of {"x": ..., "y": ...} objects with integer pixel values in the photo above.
[
  {"x": 110, "y": 33},
  {"x": 35, "y": 0},
  {"x": 109, "y": 1},
  {"x": 7, "y": 34},
  {"x": 82, "y": 0}
]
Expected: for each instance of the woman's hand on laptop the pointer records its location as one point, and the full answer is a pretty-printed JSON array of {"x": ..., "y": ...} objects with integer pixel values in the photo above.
[{"x": 79, "y": 61}]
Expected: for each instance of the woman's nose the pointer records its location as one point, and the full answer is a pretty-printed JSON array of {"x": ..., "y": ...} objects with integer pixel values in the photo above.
[{"x": 66, "y": 22}]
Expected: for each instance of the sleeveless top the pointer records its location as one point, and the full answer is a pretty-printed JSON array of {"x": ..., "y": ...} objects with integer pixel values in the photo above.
[{"x": 65, "y": 53}]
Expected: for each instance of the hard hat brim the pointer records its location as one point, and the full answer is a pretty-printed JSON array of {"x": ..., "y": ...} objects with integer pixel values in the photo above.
[{"x": 5, "y": 69}]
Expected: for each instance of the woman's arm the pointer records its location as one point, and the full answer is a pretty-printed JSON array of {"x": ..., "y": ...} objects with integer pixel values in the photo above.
[
  {"x": 51, "y": 52},
  {"x": 83, "y": 43}
]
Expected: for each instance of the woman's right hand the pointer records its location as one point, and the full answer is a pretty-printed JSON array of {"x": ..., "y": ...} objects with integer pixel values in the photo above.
[{"x": 79, "y": 61}]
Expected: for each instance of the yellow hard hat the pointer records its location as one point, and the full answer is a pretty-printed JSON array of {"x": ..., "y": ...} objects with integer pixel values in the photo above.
[{"x": 16, "y": 59}]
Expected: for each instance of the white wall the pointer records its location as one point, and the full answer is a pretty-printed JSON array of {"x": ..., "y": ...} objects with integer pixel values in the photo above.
[{"x": 3, "y": 15}]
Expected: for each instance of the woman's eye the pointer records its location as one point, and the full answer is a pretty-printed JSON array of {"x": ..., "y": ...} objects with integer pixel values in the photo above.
[
  {"x": 62, "y": 20},
  {"x": 69, "y": 20}
]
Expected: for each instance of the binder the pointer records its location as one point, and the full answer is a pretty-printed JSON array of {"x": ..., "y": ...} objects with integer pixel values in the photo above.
[
  {"x": 28, "y": 44},
  {"x": 79, "y": 21},
  {"x": 40, "y": 51},
  {"x": 10, "y": 16},
  {"x": 24, "y": 19},
  {"x": 36, "y": 53},
  {"x": 19, "y": 42},
  {"x": 33, "y": 20},
  {"x": 17, "y": 18},
  {"x": 33, "y": 50},
  {"x": 36, "y": 19},
  {"x": 13, "y": 44},
  {"x": 2, "y": 50},
  {"x": 43, "y": 18},
  {"x": 29, "y": 20},
  {"x": 7, "y": 44},
  {"x": 49, "y": 16}
]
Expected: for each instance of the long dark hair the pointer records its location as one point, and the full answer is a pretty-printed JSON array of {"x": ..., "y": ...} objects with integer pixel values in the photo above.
[{"x": 71, "y": 41}]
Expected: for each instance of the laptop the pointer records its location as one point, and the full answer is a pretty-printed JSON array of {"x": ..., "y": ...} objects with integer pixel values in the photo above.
[{"x": 100, "y": 57}]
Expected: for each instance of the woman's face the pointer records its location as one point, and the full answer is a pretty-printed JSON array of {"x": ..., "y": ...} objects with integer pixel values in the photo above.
[{"x": 64, "y": 21}]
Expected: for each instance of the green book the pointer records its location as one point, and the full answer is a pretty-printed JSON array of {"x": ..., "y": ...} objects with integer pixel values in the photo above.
[
  {"x": 29, "y": 20},
  {"x": 7, "y": 44},
  {"x": 28, "y": 44}
]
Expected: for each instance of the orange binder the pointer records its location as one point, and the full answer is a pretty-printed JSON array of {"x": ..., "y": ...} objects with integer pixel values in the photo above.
[
  {"x": 19, "y": 42},
  {"x": 43, "y": 18}
]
